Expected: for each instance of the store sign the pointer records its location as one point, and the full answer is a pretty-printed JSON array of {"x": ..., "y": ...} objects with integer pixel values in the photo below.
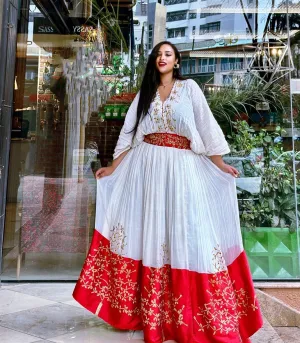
[
  {"x": 46, "y": 29},
  {"x": 44, "y": 26}
]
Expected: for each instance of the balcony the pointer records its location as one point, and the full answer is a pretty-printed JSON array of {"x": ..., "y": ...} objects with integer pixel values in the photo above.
[
  {"x": 176, "y": 24},
  {"x": 175, "y": 16},
  {"x": 232, "y": 66},
  {"x": 174, "y": 2},
  {"x": 186, "y": 70},
  {"x": 207, "y": 68}
]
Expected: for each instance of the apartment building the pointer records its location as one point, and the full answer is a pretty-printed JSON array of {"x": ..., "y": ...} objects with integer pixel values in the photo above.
[{"x": 210, "y": 34}]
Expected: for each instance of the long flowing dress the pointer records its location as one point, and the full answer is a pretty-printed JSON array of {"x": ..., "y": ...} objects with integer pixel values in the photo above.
[{"x": 167, "y": 255}]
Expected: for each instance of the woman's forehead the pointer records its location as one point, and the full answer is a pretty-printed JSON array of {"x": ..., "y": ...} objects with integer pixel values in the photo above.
[{"x": 165, "y": 48}]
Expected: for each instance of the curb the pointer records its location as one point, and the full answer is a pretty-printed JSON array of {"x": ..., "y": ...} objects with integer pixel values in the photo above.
[{"x": 277, "y": 312}]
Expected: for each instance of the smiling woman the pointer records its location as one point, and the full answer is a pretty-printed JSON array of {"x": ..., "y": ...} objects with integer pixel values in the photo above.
[{"x": 159, "y": 221}]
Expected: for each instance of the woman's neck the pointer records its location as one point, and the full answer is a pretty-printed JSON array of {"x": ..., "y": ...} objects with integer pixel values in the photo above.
[{"x": 166, "y": 78}]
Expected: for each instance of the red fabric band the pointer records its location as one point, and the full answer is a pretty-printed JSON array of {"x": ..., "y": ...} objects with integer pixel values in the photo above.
[{"x": 168, "y": 140}]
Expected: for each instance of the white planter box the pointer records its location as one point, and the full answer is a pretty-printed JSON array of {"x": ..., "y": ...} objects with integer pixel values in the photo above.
[
  {"x": 249, "y": 184},
  {"x": 291, "y": 133}
]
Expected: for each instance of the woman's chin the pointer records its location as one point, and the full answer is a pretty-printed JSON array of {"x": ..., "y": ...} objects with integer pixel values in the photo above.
[{"x": 164, "y": 71}]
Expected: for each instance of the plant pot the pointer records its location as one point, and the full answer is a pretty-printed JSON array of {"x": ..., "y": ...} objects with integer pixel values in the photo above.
[
  {"x": 272, "y": 253},
  {"x": 291, "y": 133}
]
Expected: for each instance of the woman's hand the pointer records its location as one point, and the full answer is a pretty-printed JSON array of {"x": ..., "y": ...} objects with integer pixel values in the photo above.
[
  {"x": 105, "y": 171},
  {"x": 226, "y": 168}
]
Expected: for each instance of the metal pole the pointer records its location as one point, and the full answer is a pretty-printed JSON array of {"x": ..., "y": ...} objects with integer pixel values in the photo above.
[
  {"x": 7, "y": 62},
  {"x": 292, "y": 124},
  {"x": 132, "y": 49}
]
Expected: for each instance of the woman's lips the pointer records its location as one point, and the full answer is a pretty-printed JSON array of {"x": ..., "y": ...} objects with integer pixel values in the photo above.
[{"x": 161, "y": 64}]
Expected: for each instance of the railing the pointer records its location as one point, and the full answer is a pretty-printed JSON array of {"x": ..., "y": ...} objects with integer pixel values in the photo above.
[
  {"x": 176, "y": 16},
  {"x": 174, "y": 2},
  {"x": 232, "y": 66},
  {"x": 184, "y": 70},
  {"x": 201, "y": 69},
  {"x": 207, "y": 30},
  {"x": 207, "y": 69},
  {"x": 204, "y": 15},
  {"x": 188, "y": 70},
  {"x": 197, "y": 45}
]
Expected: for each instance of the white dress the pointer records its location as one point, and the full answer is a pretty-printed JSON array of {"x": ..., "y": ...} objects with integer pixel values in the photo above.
[{"x": 167, "y": 255}]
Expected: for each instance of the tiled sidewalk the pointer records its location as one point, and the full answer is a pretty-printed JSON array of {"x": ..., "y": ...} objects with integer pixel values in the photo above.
[{"x": 32, "y": 313}]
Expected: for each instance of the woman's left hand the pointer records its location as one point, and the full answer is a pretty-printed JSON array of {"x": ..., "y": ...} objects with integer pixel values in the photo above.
[{"x": 226, "y": 168}]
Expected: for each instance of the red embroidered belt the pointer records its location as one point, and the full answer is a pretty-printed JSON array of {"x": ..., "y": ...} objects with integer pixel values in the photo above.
[{"x": 168, "y": 139}]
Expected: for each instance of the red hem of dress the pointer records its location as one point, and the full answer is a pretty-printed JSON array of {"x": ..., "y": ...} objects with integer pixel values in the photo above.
[{"x": 130, "y": 296}]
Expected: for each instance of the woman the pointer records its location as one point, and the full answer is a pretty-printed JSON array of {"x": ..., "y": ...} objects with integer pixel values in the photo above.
[{"x": 167, "y": 255}]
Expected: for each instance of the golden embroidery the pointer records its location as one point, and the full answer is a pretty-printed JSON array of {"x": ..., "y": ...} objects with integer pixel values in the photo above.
[
  {"x": 169, "y": 120},
  {"x": 115, "y": 279},
  {"x": 159, "y": 305},
  {"x": 112, "y": 279},
  {"x": 163, "y": 115},
  {"x": 117, "y": 239},
  {"x": 168, "y": 139},
  {"x": 165, "y": 255},
  {"x": 226, "y": 305}
]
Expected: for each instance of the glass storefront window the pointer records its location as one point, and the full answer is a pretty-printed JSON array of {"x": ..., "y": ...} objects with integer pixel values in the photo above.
[
  {"x": 63, "y": 79},
  {"x": 73, "y": 86}
]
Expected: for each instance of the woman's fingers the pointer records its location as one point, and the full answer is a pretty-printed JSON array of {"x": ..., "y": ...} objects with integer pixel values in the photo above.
[
  {"x": 99, "y": 173},
  {"x": 234, "y": 172}
]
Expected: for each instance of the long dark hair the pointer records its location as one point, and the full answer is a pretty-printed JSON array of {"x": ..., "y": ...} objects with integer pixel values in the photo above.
[{"x": 151, "y": 81}]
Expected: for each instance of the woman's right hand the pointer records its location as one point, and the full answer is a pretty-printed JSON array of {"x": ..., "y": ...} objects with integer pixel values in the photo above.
[{"x": 105, "y": 171}]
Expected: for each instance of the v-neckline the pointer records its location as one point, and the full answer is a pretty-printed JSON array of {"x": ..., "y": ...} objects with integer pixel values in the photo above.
[{"x": 167, "y": 98}]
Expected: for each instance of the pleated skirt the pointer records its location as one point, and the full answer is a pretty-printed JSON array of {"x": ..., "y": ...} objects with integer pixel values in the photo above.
[{"x": 167, "y": 254}]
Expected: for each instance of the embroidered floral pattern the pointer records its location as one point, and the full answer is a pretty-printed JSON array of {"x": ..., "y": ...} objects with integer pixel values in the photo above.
[
  {"x": 159, "y": 299},
  {"x": 159, "y": 305},
  {"x": 163, "y": 113},
  {"x": 165, "y": 254},
  {"x": 117, "y": 239},
  {"x": 112, "y": 278},
  {"x": 226, "y": 305}
]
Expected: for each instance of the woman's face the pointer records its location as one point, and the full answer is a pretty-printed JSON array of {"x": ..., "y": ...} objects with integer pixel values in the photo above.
[{"x": 166, "y": 59}]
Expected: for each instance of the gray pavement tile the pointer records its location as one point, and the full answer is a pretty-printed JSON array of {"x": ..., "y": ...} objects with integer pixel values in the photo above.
[
  {"x": 58, "y": 292},
  {"x": 266, "y": 335},
  {"x": 288, "y": 334},
  {"x": 50, "y": 321}
]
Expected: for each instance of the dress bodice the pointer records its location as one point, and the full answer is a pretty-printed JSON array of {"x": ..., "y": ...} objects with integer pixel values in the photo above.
[{"x": 185, "y": 112}]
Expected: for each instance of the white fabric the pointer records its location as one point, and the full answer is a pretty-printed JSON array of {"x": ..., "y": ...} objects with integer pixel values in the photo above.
[
  {"x": 166, "y": 205},
  {"x": 185, "y": 113}
]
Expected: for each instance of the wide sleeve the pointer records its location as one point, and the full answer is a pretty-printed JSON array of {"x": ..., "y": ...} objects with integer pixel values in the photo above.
[
  {"x": 126, "y": 135},
  {"x": 206, "y": 124}
]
